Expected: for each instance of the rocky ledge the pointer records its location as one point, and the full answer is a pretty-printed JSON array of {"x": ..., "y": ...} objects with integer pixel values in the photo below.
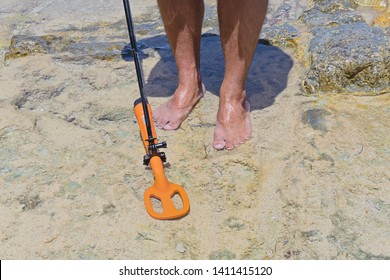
[{"x": 347, "y": 55}]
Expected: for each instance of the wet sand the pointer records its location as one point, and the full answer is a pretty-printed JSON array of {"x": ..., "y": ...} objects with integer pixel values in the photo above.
[{"x": 312, "y": 183}]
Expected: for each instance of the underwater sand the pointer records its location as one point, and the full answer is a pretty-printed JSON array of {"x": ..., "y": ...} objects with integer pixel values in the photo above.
[{"x": 312, "y": 183}]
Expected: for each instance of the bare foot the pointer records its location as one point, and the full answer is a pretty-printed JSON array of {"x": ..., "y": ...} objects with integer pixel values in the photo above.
[
  {"x": 233, "y": 125},
  {"x": 172, "y": 113}
]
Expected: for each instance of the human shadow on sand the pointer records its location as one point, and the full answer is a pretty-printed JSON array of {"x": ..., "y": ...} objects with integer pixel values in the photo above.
[{"x": 266, "y": 79}]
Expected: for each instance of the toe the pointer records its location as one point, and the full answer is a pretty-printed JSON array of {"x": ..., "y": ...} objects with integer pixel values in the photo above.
[
  {"x": 162, "y": 122},
  {"x": 245, "y": 137},
  {"x": 219, "y": 138},
  {"x": 229, "y": 144},
  {"x": 219, "y": 142},
  {"x": 171, "y": 126},
  {"x": 219, "y": 145}
]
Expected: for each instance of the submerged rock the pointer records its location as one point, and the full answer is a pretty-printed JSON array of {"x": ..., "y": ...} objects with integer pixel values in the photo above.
[
  {"x": 280, "y": 35},
  {"x": 316, "y": 119},
  {"x": 347, "y": 55},
  {"x": 95, "y": 50},
  {"x": 286, "y": 13},
  {"x": 330, "y": 13},
  {"x": 23, "y": 45},
  {"x": 29, "y": 202},
  {"x": 349, "y": 58}
]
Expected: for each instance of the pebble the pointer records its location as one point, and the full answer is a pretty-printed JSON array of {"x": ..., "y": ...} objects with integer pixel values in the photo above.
[{"x": 180, "y": 248}]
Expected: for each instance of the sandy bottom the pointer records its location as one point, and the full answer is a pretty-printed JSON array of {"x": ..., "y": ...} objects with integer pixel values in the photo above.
[{"x": 312, "y": 183}]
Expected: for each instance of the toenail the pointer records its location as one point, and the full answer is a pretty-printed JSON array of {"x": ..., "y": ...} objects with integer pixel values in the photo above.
[{"x": 219, "y": 146}]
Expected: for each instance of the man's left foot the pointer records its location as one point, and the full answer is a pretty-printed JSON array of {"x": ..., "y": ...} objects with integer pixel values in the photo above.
[{"x": 233, "y": 126}]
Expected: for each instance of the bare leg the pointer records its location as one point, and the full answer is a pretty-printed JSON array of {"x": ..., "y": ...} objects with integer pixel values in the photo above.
[
  {"x": 240, "y": 24},
  {"x": 183, "y": 25}
]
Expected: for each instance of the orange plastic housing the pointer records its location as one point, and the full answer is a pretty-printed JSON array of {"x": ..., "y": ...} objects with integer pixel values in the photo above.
[{"x": 161, "y": 189}]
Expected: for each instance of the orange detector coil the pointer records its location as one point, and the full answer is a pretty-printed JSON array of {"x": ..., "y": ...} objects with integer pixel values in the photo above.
[{"x": 162, "y": 189}]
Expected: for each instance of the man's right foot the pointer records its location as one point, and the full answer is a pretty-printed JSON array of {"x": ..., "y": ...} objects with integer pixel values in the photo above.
[{"x": 172, "y": 113}]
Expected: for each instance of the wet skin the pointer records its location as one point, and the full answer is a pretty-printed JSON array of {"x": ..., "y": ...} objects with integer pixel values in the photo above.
[{"x": 240, "y": 24}]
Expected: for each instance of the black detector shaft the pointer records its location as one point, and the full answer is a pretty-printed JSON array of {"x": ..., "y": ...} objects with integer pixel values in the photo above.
[
  {"x": 152, "y": 146},
  {"x": 134, "y": 50}
]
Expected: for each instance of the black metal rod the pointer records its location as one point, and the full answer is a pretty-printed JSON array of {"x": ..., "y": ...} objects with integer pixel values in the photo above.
[{"x": 138, "y": 69}]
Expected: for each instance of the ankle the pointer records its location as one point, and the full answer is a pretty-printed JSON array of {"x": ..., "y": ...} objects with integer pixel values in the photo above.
[
  {"x": 191, "y": 82},
  {"x": 232, "y": 93}
]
